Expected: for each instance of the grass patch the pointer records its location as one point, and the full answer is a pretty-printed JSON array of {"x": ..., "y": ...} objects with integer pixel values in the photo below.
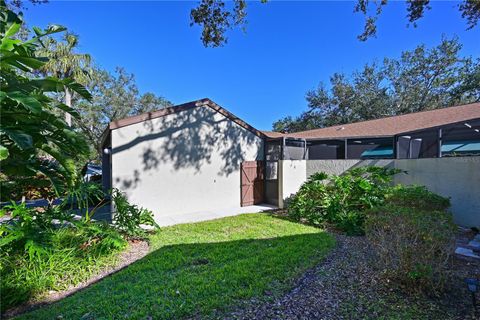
[
  {"x": 56, "y": 259},
  {"x": 195, "y": 270}
]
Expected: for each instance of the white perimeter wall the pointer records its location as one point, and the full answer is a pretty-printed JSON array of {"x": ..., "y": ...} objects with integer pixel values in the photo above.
[
  {"x": 182, "y": 163},
  {"x": 291, "y": 175},
  {"x": 457, "y": 178}
]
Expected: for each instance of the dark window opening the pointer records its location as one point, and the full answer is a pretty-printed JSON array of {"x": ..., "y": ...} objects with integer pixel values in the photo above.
[
  {"x": 294, "y": 149},
  {"x": 374, "y": 148},
  {"x": 326, "y": 149},
  {"x": 461, "y": 140}
]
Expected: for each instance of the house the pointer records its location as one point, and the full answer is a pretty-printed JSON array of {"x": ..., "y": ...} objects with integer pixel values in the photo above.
[
  {"x": 185, "y": 160},
  {"x": 443, "y": 132},
  {"x": 198, "y": 157}
]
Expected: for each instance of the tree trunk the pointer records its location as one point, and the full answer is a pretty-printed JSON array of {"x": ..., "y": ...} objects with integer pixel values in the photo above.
[{"x": 68, "y": 102}]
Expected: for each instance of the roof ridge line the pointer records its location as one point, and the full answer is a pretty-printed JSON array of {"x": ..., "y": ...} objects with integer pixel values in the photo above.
[{"x": 382, "y": 118}]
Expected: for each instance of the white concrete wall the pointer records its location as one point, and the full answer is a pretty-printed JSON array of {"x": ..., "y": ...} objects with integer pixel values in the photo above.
[
  {"x": 182, "y": 163},
  {"x": 291, "y": 175},
  {"x": 457, "y": 178}
]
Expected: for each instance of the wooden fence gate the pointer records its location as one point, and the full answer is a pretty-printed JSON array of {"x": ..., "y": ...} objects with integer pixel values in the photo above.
[{"x": 252, "y": 183}]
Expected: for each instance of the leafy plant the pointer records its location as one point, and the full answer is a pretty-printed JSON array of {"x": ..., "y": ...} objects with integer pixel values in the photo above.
[
  {"x": 128, "y": 217},
  {"x": 97, "y": 238},
  {"x": 69, "y": 256},
  {"x": 413, "y": 245},
  {"x": 341, "y": 200},
  {"x": 84, "y": 195},
  {"x": 33, "y": 140},
  {"x": 307, "y": 203},
  {"x": 44, "y": 249},
  {"x": 25, "y": 231}
]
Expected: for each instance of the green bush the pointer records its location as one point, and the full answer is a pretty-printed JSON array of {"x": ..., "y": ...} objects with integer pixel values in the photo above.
[
  {"x": 418, "y": 197},
  {"x": 341, "y": 200},
  {"x": 307, "y": 204},
  {"x": 128, "y": 217},
  {"x": 37, "y": 255},
  {"x": 413, "y": 244},
  {"x": 46, "y": 249}
]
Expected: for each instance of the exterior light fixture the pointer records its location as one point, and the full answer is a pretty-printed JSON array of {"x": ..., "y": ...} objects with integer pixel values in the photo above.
[
  {"x": 476, "y": 130},
  {"x": 472, "y": 285},
  {"x": 467, "y": 125}
]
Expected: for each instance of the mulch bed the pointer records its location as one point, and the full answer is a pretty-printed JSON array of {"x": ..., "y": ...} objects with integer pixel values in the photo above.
[
  {"x": 135, "y": 251},
  {"x": 346, "y": 286}
]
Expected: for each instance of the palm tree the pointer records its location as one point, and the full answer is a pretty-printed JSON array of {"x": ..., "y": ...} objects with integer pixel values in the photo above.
[{"x": 64, "y": 62}]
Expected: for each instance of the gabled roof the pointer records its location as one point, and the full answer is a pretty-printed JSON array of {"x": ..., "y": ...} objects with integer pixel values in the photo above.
[
  {"x": 383, "y": 127},
  {"x": 391, "y": 126},
  {"x": 182, "y": 107}
]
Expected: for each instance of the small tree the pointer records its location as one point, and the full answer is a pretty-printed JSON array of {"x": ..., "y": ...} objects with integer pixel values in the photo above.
[{"x": 64, "y": 62}]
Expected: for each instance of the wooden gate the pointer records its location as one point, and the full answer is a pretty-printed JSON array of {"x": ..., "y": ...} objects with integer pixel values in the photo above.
[{"x": 252, "y": 183}]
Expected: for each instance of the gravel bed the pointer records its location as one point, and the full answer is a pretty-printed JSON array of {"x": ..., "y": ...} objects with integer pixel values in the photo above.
[{"x": 346, "y": 286}]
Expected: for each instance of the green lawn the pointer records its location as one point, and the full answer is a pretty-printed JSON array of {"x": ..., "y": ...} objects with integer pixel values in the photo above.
[{"x": 201, "y": 268}]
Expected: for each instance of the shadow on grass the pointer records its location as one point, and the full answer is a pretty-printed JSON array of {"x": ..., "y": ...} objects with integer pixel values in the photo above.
[{"x": 195, "y": 280}]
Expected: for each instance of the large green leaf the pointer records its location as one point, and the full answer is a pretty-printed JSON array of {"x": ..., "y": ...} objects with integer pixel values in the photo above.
[
  {"x": 28, "y": 101},
  {"x": 68, "y": 109},
  {"x": 24, "y": 63},
  {"x": 13, "y": 29},
  {"x": 8, "y": 44},
  {"x": 3, "y": 153},
  {"x": 78, "y": 88},
  {"x": 49, "y": 84},
  {"x": 53, "y": 28},
  {"x": 22, "y": 140}
]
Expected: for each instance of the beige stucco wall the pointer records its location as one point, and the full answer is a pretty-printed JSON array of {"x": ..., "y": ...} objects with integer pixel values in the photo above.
[
  {"x": 291, "y": 175},
  {"x": 182, "y": 163},
  {"x": 457, "y": 178}
]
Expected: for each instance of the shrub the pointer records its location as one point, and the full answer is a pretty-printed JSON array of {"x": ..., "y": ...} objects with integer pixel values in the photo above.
[
  {"x": 418, "y": 197},
  {"x": 413, "y": 244},
  {"x": 129, "y": 217},
  {"x": 341, "y": 200},
  {"x": 307, "y": 204},
  {"x": 37, "y": 255}
]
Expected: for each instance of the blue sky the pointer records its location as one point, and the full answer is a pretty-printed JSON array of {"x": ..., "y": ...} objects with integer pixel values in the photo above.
[{"x": 261, "y": 75}]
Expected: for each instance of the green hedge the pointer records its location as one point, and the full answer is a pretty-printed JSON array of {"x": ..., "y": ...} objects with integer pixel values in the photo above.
[{"x": 341, "y": 200}]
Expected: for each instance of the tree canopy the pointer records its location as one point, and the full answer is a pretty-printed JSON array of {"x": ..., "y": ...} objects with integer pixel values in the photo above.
[
  {"x": 416, "y": 9},
  {"x": 420, "y": 79},
  {"x": 216, "y": 17},
  {"x": 65, "y": 62},
  {"x": 114, "y": 96}
]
